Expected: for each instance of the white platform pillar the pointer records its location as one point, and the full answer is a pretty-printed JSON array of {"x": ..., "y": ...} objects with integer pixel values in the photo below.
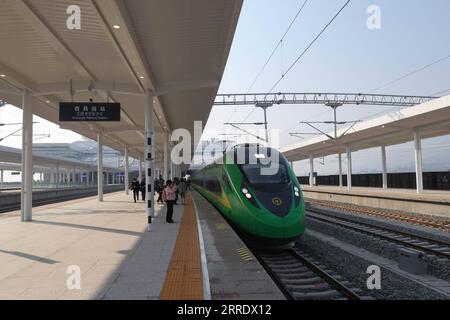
[
  {"x": 418, "y": 161},
  {"x": 349, "y": 168},
  {"x": 311, "y": 171},
  {"x": 149, "y": 156},
  {"x": 341, "y": 180},
  {"x": 140, "y": 169},
  {"x": 384, "y": 167},
  {"x": 166, "y": 157},
  {"x": 100, "y": 166},
  {"x": 127, "y": 172},
  {"x": 27, "y": 156}
]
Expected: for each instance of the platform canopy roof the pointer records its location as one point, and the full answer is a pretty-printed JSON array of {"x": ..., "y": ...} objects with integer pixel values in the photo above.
[
  {"x": 10, "y": 156},
  {"x": 177, "y": 49},
  {"x": 432, "y": 119}
]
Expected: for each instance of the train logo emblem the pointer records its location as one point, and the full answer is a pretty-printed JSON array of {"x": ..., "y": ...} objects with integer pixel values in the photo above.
[{"x": 277, "y": 201}]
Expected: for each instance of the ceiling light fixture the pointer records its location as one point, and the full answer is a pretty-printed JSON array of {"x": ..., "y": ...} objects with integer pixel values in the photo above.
[
  {"x": 116, "y": 26},
  {"x": 3, "y": 75}
]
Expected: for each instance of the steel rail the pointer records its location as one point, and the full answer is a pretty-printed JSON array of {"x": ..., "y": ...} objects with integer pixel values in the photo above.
[
  {"x": 336, "y": 284},
  {"x": 320, "y": 216},
  {"x": 279, "y": 260}
]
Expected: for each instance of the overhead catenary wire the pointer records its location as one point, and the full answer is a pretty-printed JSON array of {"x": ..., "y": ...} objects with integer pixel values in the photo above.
[
  {"x": 304, "y": 52},
  {"x": 310, "y": 45},
  {"x": 9, "y": 135},
  {"x": 440, "y": 93},
  {"x": 277, "y": 46},
  {"x": 409, "y": 74}
]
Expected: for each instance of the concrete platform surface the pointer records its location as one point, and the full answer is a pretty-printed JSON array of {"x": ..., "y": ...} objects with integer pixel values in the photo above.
[
  {"x": 106, "y": 242},
  {"x": 232, "y": 270}
]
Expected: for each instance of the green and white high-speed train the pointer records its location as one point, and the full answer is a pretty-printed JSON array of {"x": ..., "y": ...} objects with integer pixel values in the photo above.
[{"x": 268, "y": 207}]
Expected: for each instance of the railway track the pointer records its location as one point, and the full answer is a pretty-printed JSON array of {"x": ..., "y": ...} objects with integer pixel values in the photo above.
[
  {"x": 301, "y": 278},
  {"x": 38, "y": 203},
  {"x": 420, "y": 243},
  {"x": 435, "y": 223}
]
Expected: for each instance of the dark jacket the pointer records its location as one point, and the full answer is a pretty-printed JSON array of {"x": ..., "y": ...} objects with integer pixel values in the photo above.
[{"x": 135, "y": 186}]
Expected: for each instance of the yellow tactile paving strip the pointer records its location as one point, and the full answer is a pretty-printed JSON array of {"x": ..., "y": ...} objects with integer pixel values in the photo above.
[{"x": 184, "y": 275}]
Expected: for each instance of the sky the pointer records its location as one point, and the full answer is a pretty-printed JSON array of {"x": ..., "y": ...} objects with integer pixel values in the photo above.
[{"x": 349, "y": 57}]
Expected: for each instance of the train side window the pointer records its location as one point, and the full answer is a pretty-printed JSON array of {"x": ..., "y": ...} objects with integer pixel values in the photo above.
[{"x": 214, "y": 185}]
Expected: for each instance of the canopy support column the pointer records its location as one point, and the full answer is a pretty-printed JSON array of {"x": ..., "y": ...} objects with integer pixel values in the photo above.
[
  {"x": 311, "y": 171},
  {"x": 384, "y": 167},
  {"x": 140, "y": 169},
  {"x": 418, "y": 158},
  {"x": 27, "y": 157},
  {"x": 341, "y": 180},
  {"x": 349, "y": 168},
  {"x": 127, "y": 172},
  {"x": 100, "y": 166},
  {"x": 149, "y": 156},
  {"x": 166, "y": 157}
]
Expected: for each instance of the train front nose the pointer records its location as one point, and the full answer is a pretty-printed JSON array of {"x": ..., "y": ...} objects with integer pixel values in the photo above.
[
  {"x": 278, "y": 203},
  {"x": 277, "y": 206}
]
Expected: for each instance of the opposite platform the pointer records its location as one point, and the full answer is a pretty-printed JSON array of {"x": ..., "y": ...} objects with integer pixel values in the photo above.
[{"x": 429, "y": 203}]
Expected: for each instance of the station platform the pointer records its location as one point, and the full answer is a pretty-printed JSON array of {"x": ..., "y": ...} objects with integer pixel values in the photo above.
[
  {"x": 83, "y": 249},
  {"x": 435, "y": 203}
]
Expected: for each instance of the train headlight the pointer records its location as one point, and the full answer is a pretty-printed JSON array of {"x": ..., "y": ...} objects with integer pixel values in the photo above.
[
  {"x": 245, "y": 191},
  {"x": 297, "y": 194},
  {"x": 248, "y": 195},
  {"x": 296, "y": 189}
]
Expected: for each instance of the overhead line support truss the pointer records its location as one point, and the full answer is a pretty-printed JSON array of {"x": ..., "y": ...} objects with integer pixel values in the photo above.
[{"x": 320, "y": 98}]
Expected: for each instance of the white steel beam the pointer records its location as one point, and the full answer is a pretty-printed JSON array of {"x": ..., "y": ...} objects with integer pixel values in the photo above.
[
  {"x": 26, "y": 10},
  {"x": 86, "y": 86},
  {"x": 127, "y": 44}
]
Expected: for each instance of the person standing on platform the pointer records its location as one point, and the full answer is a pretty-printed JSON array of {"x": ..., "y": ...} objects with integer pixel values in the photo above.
[
  {"x": 182, "y": 187},
  {"x": 142, "y": 187},
  {"x": 135, "y": 186},
  {"x": 169, "y": 196},
  {"x": 159, "y": 189},
  {"x": 176, "y": 182}
]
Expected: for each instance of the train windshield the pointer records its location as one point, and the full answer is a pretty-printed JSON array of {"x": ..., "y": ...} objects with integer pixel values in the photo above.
[
  {"x": 262, "y": 166},
  {"x": 255, "y": 174}
]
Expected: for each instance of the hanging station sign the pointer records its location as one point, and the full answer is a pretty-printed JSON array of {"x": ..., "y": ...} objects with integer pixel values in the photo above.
[{"x": 89, "y": 111}]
